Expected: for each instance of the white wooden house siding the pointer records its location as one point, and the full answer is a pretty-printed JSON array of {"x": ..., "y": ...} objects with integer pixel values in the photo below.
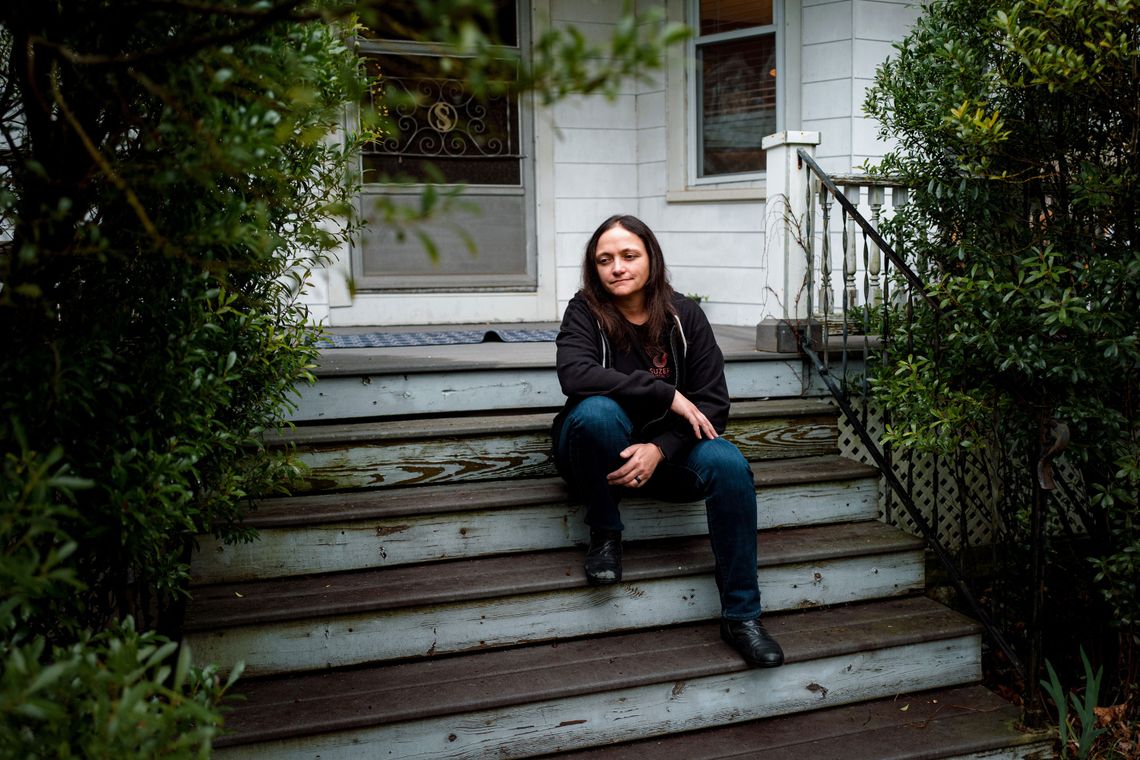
[
  {"x": 595, "y": 157},
  {"x": 843, "y": 43}
]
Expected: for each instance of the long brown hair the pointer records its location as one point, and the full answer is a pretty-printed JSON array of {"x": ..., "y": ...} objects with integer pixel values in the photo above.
[{"x": 658, "y": 291}]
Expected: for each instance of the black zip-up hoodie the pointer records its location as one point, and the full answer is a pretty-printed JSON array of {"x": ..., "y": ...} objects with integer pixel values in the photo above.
[{"x": 588, "y": 365}]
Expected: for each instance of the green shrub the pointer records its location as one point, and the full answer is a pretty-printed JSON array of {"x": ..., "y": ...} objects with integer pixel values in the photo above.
[
  {"x": 170, "y": 178},
  {"x": 120, "y": 693},
  {"x": 163, "y": 213},
  {"x": 115, "y": 693},
  {"x": 1015, "y": 124},
  {"x": 169, "y": 174}
]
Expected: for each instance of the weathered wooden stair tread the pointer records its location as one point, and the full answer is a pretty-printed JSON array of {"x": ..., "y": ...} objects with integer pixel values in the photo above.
[
  {"x": 445, "y": 498},
  {"x": 435, "y": 450},
  {"x": 955, "y": 722},
  {"x": 447, "y": 523},
  {"x": 339, "y": 700},
  {"x": 440, "y": 427},
  {"x": 426, "y": 598},
  {"x": 737, "y": 343},
  {"x": 373, "y": 389},
  {"x": 243, "y": 603}
]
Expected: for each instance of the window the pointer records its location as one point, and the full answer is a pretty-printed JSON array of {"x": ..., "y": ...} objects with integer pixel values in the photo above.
[{"x": 734, "y": 87}]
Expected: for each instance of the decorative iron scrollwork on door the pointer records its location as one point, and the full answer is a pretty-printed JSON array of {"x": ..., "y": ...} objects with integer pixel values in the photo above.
[{"x": 435, "y": 119}]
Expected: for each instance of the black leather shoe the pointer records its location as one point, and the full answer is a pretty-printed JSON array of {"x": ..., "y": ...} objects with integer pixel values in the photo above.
[
  {"x": 753, "y": 642},
  {"x": 603, "y": 557}
]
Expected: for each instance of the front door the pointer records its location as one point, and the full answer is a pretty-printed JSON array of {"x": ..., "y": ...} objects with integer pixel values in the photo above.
[{"x": 475, "y": 150}]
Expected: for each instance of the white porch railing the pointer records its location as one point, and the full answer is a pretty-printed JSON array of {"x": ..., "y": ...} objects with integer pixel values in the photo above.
[
  {"x": 828, "y": 267},
  {"x": 836, "y": 257}
]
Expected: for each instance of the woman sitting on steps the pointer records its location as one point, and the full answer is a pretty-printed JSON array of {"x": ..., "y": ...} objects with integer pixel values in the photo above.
[{"x": 646, "y": 404}]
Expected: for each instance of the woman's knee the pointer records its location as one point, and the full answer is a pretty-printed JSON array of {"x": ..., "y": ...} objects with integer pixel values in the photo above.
[
  {"x": 719, "y": 460},
  {"x": 598, "y": 414}
]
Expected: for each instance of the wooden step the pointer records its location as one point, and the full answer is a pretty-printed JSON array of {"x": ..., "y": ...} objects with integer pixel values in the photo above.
[
  {"x": 431, "y": 450},
  {"x": 539, "y": 699},
  {"x": 365, "y": 385},
  {"x": 346, "y": 619},
  {"x": 340, "y": 532},
  {"x": 960, "y": 722},
  {"x": 425, "y": 598},
  {"x": 368, "y": 505}
]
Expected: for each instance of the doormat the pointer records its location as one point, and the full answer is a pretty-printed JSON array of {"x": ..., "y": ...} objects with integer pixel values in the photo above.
[{"x": 443, "y": 338}]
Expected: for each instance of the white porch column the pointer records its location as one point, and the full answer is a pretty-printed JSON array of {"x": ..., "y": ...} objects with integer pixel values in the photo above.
[{"x": 785, "y": 215}]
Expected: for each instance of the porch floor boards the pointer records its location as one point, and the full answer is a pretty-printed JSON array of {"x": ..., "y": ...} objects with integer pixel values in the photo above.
[{"x": 737, "y": 344}]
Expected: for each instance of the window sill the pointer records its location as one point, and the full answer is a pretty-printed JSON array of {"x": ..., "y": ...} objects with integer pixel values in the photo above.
[{"x": 715, "y": 194}]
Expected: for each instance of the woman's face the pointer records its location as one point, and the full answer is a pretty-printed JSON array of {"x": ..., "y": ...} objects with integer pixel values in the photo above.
[{"x": 622, "y": 263}]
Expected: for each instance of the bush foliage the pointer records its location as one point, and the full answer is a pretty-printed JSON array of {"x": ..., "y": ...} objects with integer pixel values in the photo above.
[
  {"x": 170, "y": 173},
  {"x": 1017, "y": 127},
  {"x": 158, "y": 204},
  {"x": 168, "y": 176}
]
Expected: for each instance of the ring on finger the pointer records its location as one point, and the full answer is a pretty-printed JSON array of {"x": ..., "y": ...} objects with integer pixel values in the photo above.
[{"x": 637, "y": 478}]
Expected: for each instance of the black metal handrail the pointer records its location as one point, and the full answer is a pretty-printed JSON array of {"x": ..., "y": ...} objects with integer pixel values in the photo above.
[{"x": 817, "y": 346}]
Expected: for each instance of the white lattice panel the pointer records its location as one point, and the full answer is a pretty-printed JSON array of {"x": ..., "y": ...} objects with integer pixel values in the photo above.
[
  {"x": 963, "y": 507},
  {"x": 959, "y": 519}
]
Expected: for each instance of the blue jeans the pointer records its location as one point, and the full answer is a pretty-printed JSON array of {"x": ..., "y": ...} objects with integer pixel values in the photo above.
[{"x": 586, "y": 450}]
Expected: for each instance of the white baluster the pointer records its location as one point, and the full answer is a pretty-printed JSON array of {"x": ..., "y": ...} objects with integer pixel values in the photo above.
[
  {"x": 875, "y": 196},
  {"x": 825, "y": 254},
  {"x": 900, "y": 196},
  {"x": 850, "y": 248}
]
